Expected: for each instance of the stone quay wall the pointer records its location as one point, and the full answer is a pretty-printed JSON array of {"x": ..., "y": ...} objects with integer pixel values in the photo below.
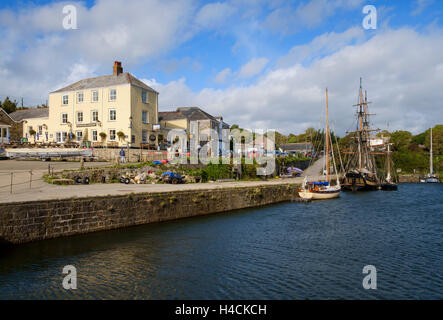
[
  {"x": 39, "y": 220},
  {"x": 132, "y": 155}
]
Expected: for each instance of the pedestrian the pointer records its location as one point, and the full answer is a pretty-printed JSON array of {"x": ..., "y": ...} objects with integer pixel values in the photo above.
[{"x": 122, "y": 155}]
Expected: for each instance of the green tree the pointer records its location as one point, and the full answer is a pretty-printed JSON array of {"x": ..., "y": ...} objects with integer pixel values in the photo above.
[
  {"x": 437, "y": 139},
  {"x": 401, "y": 140},
  {"x": 420, "y": 138},
  {"x": 9, "y": 106}
]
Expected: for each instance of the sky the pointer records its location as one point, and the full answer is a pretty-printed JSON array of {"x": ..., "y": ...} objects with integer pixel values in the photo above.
[{"x": 259, "y": 64}]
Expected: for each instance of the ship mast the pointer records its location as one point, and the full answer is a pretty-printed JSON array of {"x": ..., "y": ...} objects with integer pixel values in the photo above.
[
  {"x": 360, "y": 133},
  {"x": 388, "y": 177},
  {"x": 327, "y": 138},
  {"x": 431, "y": 165}
]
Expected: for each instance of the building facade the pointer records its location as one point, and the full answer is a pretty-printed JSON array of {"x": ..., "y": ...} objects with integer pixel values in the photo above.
[
  {"x": 111, "y": 110},
  {"x": 10, "y": 130},
  {"x": 194, "y": 119}
]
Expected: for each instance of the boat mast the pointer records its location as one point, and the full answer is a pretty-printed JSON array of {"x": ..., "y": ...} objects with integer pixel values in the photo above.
[
  {"x": 360, "y": 133},
  {"x": 327, "y": 138},
  {"x": 431, "y": 165},
  {"x": 388, "y": 177}
]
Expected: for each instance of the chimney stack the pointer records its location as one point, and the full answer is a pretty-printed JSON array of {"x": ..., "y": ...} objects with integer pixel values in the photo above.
[{"x": 117, "y": 69}]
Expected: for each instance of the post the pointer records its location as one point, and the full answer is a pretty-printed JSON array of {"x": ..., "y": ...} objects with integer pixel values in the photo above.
[
  {"x": 30, "y": 179},
  {"x": 49, "y": 168},
  {"x": 12, "y": 174}
]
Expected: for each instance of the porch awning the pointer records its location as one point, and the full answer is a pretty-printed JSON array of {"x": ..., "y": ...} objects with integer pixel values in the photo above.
[{"x": 4, "y": 125}]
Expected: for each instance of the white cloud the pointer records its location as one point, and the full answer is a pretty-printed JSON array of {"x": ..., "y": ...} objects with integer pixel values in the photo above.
[
  {"x": 400, "y": 70},
  {"x": 223, "y": 75},
  {"x": 322, "y": 45},
  {"x": 215, "y": 14},
  {"x": 253, "y": 67},
  {"x": 37, "y": 53},
  {"x": 307, "y": 14},
  {"x": 420, "y": 6}
]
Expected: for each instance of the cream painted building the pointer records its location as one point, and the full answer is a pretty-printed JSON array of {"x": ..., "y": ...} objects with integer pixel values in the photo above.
[{"x": 111, "y": 110}]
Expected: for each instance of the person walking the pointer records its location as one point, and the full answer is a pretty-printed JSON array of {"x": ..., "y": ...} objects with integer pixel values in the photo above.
[{"x": 122, "y": 155}]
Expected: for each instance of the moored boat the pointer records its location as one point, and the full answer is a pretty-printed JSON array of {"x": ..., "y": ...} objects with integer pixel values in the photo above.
[
  {"x": 388, "y": 184},
  {"x": 431, "y": 177},
  {"x": 361, "y": 169},
  {"x": 323, "y": 190}
]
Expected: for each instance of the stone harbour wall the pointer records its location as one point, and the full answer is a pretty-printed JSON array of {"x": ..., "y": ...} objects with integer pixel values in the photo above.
[
  {"x": 132, "y": 155},
  {"x": 39, "y": 220}
]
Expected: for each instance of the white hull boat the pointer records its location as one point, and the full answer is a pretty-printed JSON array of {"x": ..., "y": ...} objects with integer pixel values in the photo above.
[
  {"x": 322, "y": 190},
  {"x": 315, "y": 192}
]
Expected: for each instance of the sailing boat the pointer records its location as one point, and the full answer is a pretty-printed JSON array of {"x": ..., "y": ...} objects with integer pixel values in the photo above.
[
  {"x": 361, "y": 170},
  {"x": 322, "y": 190},
  {"x": 431, "y": 177},
  {"x": 388, "y": 184}
]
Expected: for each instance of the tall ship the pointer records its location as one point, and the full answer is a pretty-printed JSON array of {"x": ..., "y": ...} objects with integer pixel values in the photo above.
[
  {"x": 361, "y": 168},
  {"x": 431, "y": 177}
]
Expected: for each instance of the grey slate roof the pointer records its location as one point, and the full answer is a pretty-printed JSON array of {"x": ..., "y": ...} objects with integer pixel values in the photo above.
[
  {"x": 106, "y": 81},
  {"x": 20, "y": 115},
  {"x": 189, "y": 113},
  {"x": 296, "y": 146}
]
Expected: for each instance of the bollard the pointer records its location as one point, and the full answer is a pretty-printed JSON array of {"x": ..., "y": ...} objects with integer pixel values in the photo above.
[
  {"x": 11, "y": 181},
  {"x": 30, "y": 179}
]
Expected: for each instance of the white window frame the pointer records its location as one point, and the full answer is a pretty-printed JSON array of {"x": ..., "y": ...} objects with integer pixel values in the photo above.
[
  {"x": 77, "y": 135},
  {"x": 146, "y": 121},
  {"x": 92, "y": 116},
  {"x": 96, "y": 135},
  {"x": 40, "y": 130},
  {"x": 58, "y": 137},
  {"x": 110, "y": 94},
  {"x": 78, "y": 97},
  {"x": 61, "y": 119},
  {"x": 63, "y": 99},
  {"x": 145, "y": 96},
  {"x": 109, "y": 135},
  {"x": 80, "y": 113},
  {"x": 64, "y": 136},
  {"x": 109, "y": 115},
  {"x": 147, "y": 138},
  {"x": 92, "y": 95}
]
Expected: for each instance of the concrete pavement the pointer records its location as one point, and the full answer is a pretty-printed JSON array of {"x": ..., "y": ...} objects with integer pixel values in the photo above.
[{"x": 41, "y": 190}]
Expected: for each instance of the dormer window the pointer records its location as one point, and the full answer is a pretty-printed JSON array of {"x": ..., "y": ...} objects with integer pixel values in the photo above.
[
  {"x": 112, "y": 95},
  {"x": 65, "y": 99}
]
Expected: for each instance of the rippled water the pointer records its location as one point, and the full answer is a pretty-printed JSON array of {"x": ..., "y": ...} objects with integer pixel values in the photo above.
[{"x": 286, "y": 251}]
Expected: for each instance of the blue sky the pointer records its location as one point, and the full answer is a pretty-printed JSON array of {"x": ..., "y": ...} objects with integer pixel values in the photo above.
[{"x": 222, "y": 55}]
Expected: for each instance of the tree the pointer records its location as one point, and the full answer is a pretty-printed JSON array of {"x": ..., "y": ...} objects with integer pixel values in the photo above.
[
  {"x": 9, "y": 106},
  {"x": 121, "y": 135},
  {"x": 401, "y": 140},
  {"x": 103, "y": 136},
  {"x": 437, "y": 139},
  {"x": 419, "y": 138}
]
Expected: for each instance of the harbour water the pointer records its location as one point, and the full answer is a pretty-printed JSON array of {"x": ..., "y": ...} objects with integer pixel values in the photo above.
[{"x": 286, "y": 251}]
